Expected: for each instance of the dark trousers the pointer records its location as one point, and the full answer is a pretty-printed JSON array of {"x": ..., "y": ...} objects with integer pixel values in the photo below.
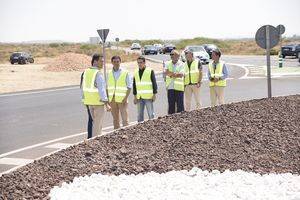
[
  {"x": 90, "y": 124},
  {"x": 175, "y": 98}
]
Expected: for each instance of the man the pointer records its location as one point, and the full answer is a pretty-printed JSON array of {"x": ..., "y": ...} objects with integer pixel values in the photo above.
[
  {"x": 94, "y": 95},
  {"x": 119, "y": 86},
  {"x": 144, "y": 89},
  {"x": 192, "y": 80},
  {"x": 174, "y": 71},
  {"x": 217, "y": 75}
]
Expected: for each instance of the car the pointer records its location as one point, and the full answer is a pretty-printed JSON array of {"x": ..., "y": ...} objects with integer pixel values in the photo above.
[
  {"x": 167, "y": 48},
  {"x": 149, "y": 49},
  {"x": 21, "y": 58},
  {"x": 290, "y": 50},
  {"x": 209, "y": 48},
  {"x": 159, "y": 47},
  {"x": 198, "y": 52},
  {"x": 135, "y": 46}
]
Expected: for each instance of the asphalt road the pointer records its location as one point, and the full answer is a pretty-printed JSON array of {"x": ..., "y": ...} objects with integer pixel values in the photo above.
[{"x": 28, "y": 119}]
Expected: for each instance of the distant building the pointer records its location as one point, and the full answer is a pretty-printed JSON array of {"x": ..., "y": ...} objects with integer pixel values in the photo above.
[{"x": 94, "y": 40}]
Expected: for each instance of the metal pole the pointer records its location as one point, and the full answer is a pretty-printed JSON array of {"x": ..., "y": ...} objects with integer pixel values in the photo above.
[
  {"x": 268, "y": 61},
  {"x": 104, "y": 60}
]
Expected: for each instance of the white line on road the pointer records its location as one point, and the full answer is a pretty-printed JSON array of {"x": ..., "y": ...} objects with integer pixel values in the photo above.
[
  {"x": 38, "y": 92},
  {"x": 47, "y": 142}
]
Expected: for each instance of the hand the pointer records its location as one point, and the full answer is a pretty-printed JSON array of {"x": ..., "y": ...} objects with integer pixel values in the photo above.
[
  {"x": 135, "y": 100},
  {"x": 124, "y": 101},
  {"x": 198, "y": 84},
  {"x": 153, "y": 97},
  {"x": 216, "y": 79},
  {"x": 108, "y": 108}
]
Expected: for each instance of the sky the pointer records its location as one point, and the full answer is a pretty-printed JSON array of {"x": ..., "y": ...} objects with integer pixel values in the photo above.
[{"x": 76, "y": 21}]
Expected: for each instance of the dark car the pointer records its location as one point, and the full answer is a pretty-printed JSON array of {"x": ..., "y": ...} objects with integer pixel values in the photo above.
[
  {"x": 167, "y": 48},
  {"x": 149, "y": 49},
  {"x": 209, "y": 48},
  {"x": 21, "y": 58},
  {"x": 291, "y": 50}
]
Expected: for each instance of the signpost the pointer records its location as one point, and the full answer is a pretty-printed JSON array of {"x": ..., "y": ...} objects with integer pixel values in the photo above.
[
  {"x": 281, "y": 30},
  {"x": 103, "y": 35},
  {"x": 267, "y": 37},
  {"x": 117, "y": 41}
]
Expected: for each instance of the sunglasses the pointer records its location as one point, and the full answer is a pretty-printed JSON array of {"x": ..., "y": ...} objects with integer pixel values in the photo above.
[{"x": 172, "y": 54}]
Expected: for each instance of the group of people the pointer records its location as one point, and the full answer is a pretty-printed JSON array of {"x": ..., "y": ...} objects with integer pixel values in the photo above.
[{"x": 183, "y": 80}]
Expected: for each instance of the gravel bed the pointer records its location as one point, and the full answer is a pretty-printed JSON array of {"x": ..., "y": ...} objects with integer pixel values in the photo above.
[{"x": 260, "y": 136}]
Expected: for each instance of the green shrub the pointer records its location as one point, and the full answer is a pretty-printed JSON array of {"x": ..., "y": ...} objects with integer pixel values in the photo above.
[{"x": 54, "y": 45}]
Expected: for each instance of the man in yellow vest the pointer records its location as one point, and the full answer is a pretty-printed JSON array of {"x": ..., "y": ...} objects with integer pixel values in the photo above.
[
  {"x": 144, "y": 89},
  {"x": 94, "y": 95},
  {"x": 119, "y": 85},
  {"x": 217, "y": 75},
  {"x": 174, "y": 71},
  {"x": 192, "y": 80}
]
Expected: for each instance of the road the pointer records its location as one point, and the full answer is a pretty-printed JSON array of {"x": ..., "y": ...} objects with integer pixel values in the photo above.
[{"x": 32, "y": 118}]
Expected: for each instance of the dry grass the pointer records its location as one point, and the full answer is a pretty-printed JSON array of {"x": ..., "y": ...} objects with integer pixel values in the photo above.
[{"x": 53, "y": 50}]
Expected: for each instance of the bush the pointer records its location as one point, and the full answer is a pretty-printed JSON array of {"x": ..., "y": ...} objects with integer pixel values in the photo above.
[{"x": 54, "y": 45}]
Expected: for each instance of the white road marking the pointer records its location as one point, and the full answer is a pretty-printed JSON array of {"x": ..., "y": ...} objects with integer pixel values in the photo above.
[
  {"x": 15, "y": 161},
  {"x": 38, "y": 92},
  {"x": 58, "y": 145}
]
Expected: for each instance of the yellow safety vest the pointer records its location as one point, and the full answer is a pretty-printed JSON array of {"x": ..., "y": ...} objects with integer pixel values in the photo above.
[
  {"x": 178, "y": 82},
  {"x": 191, "y": 74},
  {"x": 90, "y": 92},
  {"x": 216, "y": 74},
  {"x": 117, "y": 89},
  {"x": 144, "y": 88}
]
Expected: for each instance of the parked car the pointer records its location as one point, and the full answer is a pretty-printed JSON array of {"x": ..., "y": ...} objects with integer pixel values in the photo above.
[
  {"x": 135, "y": 46},
  {"x": 198, "y": 52},
  {"x": 21, "y": 58},
  {"x": 159, "y": 47},
  {"x": 209, "y": 48},
  {"x": 167, "y": 48},
  {"x": 149, "y": 49},
  {"x": 291, "y": 50}
]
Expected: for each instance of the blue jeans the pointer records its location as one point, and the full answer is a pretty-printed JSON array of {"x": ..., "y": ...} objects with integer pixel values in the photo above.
[
  {"x": 175, "y": 100},
  {"x": 141, "y": 107}
]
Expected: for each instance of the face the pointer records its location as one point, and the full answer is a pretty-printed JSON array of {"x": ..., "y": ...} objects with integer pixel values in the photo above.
[
  {"x": 214, "y": 56},
  {"x": 174, "y": 57},
  {"x": 141, "y": 64},
  {"x": 189, "y": 56},
  {"x": 98, "y": 63},
  {"x": 116, "y": 63}
]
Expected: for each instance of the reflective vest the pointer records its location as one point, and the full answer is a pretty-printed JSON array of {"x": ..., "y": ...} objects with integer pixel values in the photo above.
[
  {"x": 191, "y": 74},
  {"x": 144, "y": 88},
  {"x": 178, "y": 82},
  {"x": 90, "y": 92},
  {"x": 216, "y": 74},
  {"x": 117, "y": 89}
]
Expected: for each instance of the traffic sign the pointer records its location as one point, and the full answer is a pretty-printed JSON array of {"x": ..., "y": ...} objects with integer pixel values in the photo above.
[
  {"x": 262, "y": 35},
  {"x": 117, "y": 39},
  {"x": 103, "y": 34},
  {"x": 281, "y": 29}
]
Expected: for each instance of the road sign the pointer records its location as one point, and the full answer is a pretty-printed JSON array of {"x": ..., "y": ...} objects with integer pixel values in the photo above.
[
  {"x": 117, "y": 39},
  {"x": 103, "y": 34},
  {"x": 261, "y": 36},
  {"x": 281, "y": 29}
]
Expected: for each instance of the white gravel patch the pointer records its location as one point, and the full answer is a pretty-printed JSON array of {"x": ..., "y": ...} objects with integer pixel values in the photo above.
[{"x": 189, "y": 185}]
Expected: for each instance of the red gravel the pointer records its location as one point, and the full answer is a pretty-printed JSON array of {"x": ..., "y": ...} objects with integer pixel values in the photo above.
[{"x": 260, "y": 135}]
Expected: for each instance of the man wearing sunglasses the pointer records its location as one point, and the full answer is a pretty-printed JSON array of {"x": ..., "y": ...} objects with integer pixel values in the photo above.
[{"x": 174, "y": 71}]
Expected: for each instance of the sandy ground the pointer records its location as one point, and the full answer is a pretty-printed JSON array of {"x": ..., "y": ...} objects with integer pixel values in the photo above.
[{"x": 15, "y": 78}]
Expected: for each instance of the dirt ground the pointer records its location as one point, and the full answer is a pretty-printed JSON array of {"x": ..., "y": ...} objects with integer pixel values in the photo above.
[{"x": 15, "y": 78}]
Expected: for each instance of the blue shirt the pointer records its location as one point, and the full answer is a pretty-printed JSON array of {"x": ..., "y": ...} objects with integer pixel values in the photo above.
[
  {"x": 117, "y": 74},
  {"x": 224, "y": 71}
]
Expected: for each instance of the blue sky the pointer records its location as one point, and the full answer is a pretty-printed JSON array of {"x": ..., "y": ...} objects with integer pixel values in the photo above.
[{"x": 76, "y": 21}]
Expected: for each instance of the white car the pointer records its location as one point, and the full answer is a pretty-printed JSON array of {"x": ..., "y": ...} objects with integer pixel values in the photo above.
[
  {"x": 198, "y": 52},
  {"x": 135, "y": 46}
]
